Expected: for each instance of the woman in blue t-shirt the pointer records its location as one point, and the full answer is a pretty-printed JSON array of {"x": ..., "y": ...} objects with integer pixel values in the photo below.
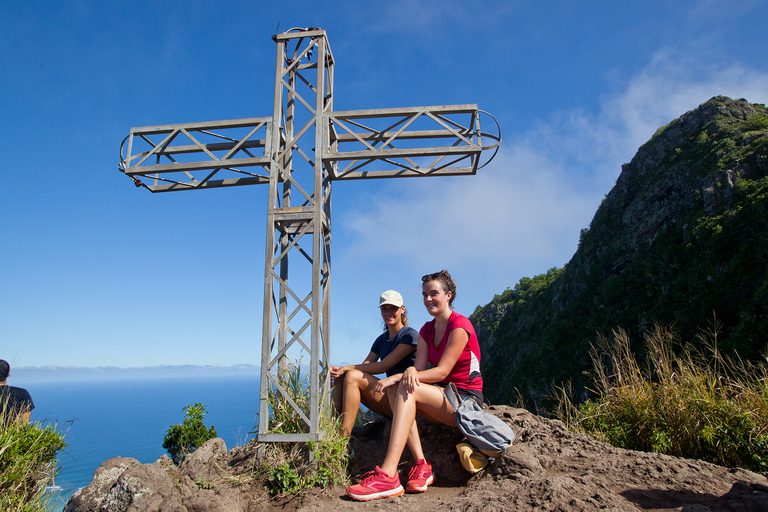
[{"x": 391, "y": 353}]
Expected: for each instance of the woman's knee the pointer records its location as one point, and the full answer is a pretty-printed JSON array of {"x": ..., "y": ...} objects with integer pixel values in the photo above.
[
  {"x": 354, "y": 378},
  {"x": 398, "y": 393}
]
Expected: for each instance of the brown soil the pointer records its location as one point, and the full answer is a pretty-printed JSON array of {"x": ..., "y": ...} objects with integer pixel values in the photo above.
[{"x": 547, "y": 468}]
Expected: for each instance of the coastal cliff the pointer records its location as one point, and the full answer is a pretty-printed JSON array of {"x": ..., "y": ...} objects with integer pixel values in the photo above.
[{"x": 681, "y": 239}]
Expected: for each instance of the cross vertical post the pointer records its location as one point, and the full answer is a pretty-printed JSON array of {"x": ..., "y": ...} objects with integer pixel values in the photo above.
[{"x": 294, "y": 315}]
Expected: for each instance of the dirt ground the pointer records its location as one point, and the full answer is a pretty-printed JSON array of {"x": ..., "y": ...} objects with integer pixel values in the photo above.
[
  {"x": 547, "y": 468},
  {"x": 550, "y": 468}
]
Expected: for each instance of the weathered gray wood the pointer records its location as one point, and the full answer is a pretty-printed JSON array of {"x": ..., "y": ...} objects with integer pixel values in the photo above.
[
  {"x": 197, "y": 166},
  {"x": 234, "y": 182}
]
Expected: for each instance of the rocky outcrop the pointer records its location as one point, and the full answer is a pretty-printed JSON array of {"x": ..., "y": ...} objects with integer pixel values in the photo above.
[
  {"x": 551, "y": 468},
  {"x": 547, "y": 468},
  {"x": 213, "y": 479},
  {"x": 687, "y": 166},
  {"x": 200, "y": 483}
]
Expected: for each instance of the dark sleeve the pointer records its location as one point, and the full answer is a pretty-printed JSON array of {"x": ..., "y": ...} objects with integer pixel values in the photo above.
[
  {"x": 376, "y": 347},
  {"x": 27, "y": 400},
  {"x": 409, "y": 337},
  {"x": 16, "y": 399}
]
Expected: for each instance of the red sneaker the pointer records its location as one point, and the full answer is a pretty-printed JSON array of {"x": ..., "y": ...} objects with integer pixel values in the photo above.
[
  {"x": 374, "y": 485},
  {"x": 420, "y": 477}
]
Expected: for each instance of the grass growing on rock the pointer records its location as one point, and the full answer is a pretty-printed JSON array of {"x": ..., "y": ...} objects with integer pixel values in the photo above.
[
  {"x": 686, "y": 400},
  {"x": 290, "y": 468}
]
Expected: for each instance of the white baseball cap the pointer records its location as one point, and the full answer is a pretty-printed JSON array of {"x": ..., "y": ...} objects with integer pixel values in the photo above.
[{"x": 391, "y": 297}]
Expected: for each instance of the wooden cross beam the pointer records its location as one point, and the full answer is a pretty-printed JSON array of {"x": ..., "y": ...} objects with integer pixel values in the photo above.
[{"x": 299, "y": 151}]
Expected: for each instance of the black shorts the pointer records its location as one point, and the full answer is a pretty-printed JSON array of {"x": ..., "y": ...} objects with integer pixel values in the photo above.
[{"x": 477, "y": 396}]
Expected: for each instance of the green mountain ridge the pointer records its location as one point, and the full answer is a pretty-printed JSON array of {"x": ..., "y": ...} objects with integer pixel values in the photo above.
[{"x": 682, "y": 238}]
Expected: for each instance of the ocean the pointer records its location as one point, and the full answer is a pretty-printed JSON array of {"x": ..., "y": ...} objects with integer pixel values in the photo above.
[{"x": 129, "y": 417}]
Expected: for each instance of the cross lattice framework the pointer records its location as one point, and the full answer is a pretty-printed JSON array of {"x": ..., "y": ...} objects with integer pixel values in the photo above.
[{"x": 299, "y": 152}]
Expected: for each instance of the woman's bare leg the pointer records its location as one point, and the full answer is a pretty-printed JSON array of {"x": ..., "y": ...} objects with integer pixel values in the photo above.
[
  {"x": 426, "y": 398},
  {"x": 414, "y": 441},
  {"x": 353, "y": 379},
  {"x": 337, "y": 395},
  {"x": 358, "y": 387}
]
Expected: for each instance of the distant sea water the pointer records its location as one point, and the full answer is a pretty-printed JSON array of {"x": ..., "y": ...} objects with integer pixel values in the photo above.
[{"x": 129, "y": 417}]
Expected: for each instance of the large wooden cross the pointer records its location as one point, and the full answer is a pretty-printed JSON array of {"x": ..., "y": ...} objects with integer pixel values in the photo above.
[{"x": 299, "y": 151}]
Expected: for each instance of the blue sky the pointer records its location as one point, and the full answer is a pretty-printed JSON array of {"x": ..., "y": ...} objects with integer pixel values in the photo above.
[{"x": 94, "y": 272}]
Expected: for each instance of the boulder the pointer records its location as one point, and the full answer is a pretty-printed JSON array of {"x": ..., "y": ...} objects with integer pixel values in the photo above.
[
  {"x": 91, "y": 498},
  {"x": 204, "y": 464},
  {"x": 125, "y": 485}
]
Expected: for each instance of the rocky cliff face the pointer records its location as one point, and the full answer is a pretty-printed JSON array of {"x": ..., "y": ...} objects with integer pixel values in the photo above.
[{"x": 682, "y": 236}]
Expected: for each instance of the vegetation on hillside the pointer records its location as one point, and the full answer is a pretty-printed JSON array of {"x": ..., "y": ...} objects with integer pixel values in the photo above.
[
  {"x": 27, "y": 464},
  {"x": 683, "y": 234},
  {"x": 697, "y": 404},
  {"x": 527, "y": 301}
]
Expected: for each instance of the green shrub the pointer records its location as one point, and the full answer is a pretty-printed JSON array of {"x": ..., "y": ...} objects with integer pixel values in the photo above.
[
  {"x": 202, "y": 483},
  {"x": 687, "y": 402},
  {"x": 183, "y": 439},
  {"x": 283, "y": 479},
  {"x": 27, "y": 464}
]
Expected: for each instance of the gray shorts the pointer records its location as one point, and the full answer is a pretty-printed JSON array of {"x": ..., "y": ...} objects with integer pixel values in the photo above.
[{"x": 477, "y": 396}]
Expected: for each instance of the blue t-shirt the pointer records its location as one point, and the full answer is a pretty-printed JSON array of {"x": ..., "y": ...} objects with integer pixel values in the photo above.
[{"x": 384, "y": 346}]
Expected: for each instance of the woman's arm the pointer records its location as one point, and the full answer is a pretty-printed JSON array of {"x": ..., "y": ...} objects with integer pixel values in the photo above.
[
  {"x": 414, "y": 375},
  {"x": 398, "y": 354},
  {"x": 411, "y": 375},
  {"x": 338, "y": 371},
  {"x": 457, "y": 340},
  {"x": 422, "y": 353},
  {"x": 372, "y": 365}
]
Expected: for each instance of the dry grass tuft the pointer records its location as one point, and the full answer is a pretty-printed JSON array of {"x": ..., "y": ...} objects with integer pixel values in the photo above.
[{"x": 687, "y": 401}]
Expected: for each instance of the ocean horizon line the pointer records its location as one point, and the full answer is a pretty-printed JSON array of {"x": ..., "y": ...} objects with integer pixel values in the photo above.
[
  {"x": 134, "y": 368},
  {"x": 21, "y": 374}
]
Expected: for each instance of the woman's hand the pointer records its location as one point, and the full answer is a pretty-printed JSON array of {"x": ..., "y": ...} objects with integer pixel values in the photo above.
[
  {"x": 410, "y": 379},
  {"x": 383, "y": 384},
  {"x": 338, "y": 371}
]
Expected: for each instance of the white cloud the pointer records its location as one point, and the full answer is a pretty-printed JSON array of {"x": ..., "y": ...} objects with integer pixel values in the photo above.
[
  {"x": 673, "y": 84},
  {"x": 524, "y": 211},
  {"x": 513, "y": 211},
  {"x": 522, "y": 214}
]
